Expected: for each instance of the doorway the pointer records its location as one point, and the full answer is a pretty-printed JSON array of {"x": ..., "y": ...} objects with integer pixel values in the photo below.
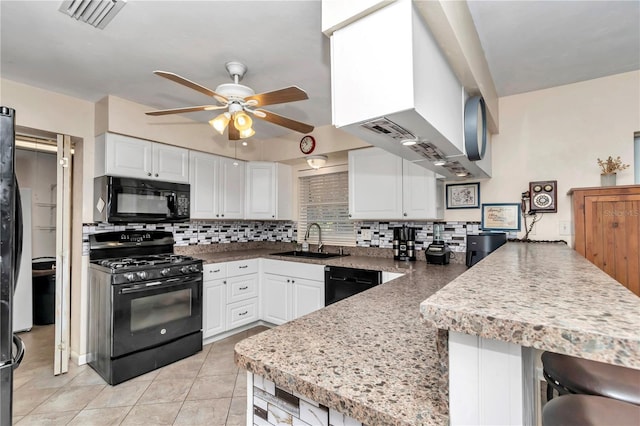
[{"x": 44, "y": 164}]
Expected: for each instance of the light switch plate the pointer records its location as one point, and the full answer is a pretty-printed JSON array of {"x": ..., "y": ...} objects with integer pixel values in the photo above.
[{"x": 565, "y": 227}]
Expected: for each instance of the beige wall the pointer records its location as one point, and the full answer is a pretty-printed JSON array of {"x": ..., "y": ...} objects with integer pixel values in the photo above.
[
  {"x": 55, "y": 113},
  {"x": 558, "y": 134}
]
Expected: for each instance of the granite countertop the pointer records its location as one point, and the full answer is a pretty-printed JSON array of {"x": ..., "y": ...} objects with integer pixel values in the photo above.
[
  {"x": 544, "y": 296},
  {"x": 368, "y": 356}
]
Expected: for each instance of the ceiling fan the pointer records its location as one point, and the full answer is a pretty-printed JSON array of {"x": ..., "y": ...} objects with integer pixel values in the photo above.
[{"x": 239, "y": 100}]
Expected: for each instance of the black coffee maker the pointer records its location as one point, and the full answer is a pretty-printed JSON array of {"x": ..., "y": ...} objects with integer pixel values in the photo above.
[{"x": 404, "y": 243}]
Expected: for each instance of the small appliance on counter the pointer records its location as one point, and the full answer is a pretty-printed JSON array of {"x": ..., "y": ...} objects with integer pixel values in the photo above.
[
  {"x": 438, "y": 252},
  {"x": 481, "y": 245},
  {"x": 404, "y": 243}
]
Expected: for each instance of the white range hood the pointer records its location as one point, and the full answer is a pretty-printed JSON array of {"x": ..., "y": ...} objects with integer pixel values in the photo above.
[{"x": 391, "y": 82}]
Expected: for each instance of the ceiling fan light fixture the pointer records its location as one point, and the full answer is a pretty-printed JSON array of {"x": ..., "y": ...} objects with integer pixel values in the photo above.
[
  {"x": 246, "y": 134},
  {"x": 317, "y": 161},
  {"x": 220, "y": 122},
  {"x": 242, "y": 121}
]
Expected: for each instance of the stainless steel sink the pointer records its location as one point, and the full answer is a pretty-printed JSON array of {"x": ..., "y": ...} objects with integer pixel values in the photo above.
[{"x": 308, "y": 254}]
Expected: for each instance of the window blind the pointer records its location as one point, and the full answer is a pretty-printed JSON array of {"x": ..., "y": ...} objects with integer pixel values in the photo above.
[{"x": 324, "y": 199}]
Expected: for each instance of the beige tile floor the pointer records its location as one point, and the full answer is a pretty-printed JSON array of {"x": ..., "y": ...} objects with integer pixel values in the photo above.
[{"x": 204, "y": 389}]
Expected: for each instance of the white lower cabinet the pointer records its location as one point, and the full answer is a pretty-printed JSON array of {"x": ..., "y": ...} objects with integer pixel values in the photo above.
[
  {"x": 230, "y": 296},
  {"x": 214, "y": 307},
  {"x": 290, "y": 290}
]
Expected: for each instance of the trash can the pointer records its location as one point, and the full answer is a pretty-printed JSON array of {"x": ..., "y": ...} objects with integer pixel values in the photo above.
[{"x": 43, "y": 271}]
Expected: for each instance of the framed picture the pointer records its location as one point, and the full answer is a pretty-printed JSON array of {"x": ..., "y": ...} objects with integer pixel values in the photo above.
[
  {"x": 501, "y": 217},
  {"x": 463, "y": 195}
]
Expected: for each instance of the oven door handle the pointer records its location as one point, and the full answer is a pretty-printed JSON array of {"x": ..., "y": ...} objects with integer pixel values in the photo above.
[{"x": 171, "y": 282}]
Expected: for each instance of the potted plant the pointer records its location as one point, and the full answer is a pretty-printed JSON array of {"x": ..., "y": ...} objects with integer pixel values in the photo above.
[{"x": 608, "y": 168}]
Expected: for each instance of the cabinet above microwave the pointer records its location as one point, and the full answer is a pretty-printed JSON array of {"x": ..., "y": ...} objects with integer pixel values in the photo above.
[{"x": 119, "y": 155}]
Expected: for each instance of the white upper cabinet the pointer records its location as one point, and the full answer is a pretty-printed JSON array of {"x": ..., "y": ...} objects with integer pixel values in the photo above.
[
  {"x": 203, "y": 171},
  {"x": 384, "y": 186},
  {"x": 217, "y": 187},
  {"x": 232, "y": 187},
  {"x": 375, "y": 184},
  {"x": 268, "y": 191},
  {"x": 119, "y": 155}
]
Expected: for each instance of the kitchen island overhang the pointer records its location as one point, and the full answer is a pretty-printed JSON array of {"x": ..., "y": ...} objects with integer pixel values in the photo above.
[{"x": 525, "y": 297}]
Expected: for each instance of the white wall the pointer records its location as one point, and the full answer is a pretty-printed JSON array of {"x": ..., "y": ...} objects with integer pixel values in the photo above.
[{"x": 558, "y": 134}]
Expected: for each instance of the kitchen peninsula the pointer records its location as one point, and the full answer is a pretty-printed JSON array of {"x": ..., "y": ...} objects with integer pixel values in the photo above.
[{"x": 372, "y": 358}]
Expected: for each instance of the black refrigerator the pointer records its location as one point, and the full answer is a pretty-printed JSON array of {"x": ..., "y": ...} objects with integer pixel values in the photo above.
[{"x": 11, "y": 347}]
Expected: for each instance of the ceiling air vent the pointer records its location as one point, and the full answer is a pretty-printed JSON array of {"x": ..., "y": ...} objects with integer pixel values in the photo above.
[{"x": 97, "y": 13}]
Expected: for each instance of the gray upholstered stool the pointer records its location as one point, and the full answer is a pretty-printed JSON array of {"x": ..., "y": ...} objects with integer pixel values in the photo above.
[
  {"x": 571, "y": 375},
  {"x": 589, "y": 410}
]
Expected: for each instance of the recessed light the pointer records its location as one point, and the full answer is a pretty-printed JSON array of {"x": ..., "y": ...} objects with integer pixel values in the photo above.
[
  {"x": 461, "y": 174},
  {"x": 440, "y": 162},
  {"x": 409, "y": 142}
]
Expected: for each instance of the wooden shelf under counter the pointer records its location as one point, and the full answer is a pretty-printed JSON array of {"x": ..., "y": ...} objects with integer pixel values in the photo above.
[{"x": 607, "y": 230}]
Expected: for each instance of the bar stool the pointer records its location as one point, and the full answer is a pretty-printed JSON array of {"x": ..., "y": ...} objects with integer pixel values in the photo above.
[
  {"x": 571, "y": 375},
  {"x": 589, "y": 410}
]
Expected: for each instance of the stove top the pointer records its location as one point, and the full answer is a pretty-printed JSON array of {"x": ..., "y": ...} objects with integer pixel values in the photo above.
[{"x": 125, "y": 263}]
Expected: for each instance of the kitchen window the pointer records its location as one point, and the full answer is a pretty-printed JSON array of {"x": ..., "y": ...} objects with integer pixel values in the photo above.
[{"x": 324, "y": 199}]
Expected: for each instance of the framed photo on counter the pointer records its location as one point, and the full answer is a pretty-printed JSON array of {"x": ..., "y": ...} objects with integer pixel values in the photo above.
[
  {"x": 501, "y": 217},
  {"x": 463, "y": 195}
]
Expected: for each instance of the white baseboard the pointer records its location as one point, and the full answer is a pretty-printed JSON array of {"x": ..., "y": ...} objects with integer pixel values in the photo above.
[{"x": 79, "y": 359}]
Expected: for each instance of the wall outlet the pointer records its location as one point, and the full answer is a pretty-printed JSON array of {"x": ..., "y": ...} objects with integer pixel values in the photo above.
[
  {"x": 366, "y": 234},
  {"x": 565, "y": 227}
]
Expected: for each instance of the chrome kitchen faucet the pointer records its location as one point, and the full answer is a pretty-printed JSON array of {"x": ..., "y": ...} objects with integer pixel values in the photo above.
[{"x": 306, "y": 236}]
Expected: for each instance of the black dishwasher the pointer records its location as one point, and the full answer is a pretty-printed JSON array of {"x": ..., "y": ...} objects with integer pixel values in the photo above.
[{"x": 340, "y": 283}]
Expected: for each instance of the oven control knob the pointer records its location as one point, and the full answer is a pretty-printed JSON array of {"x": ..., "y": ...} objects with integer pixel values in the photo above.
[
  {"x": 130, "y": 277},
  {"x": 142, "y": 275},
  {"x": 165, "y": 272},
  {"x": 194, "y": 268},
  {"x": 184, "y": 269}
]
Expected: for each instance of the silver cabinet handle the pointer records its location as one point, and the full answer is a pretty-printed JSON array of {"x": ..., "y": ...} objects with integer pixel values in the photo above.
[
  {"x": 149, "y": 174},
  {"x": 293, "y": 281},
  {"x": 404, "y": 214},
  {"x": 243, "y": 313},
  {"x": 224, "y": 282},
  {"x": 243, "y": 288},
  {"x": 156, "y": 175},
  {"x": 288, "y": 281},
  {"x": 243, "y": 266},
  {"x": 217, "y": 270}
]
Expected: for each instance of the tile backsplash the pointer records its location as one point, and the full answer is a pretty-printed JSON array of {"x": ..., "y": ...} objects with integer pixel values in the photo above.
[
  {"x": 242, "y": 231},
  {"x": 454, "y": 233},
  {"x": 201, "y": 233}
]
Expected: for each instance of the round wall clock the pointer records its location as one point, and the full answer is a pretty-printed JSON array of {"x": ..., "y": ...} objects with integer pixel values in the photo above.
[
  {"x": 475, "y": 128},
  {"x": 307, "y": 144}
]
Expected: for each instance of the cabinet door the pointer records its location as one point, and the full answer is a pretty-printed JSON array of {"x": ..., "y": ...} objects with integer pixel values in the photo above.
[
  {"x": 203, "y": 177},
  {"x": 214, "y": 307},
  {"x": 231, "y": 189},
  {"x": 276, "y": 299},
  {"x": 260, "y": 200},
  {"x": 127, "y": 156},
  {"x": 375, "y": 184},
  {"x": 420, "y": 198},
  {"x": 612, "y": 236},
  {"x": 170, "y": 163},
  {"x": 308, "y": 296}
]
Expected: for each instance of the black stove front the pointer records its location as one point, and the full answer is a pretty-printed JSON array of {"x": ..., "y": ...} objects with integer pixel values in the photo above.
[{"x": 145, "y": 304}]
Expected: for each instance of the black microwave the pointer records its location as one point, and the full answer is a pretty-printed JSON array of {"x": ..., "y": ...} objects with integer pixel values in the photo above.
[{"x": 126, "y": 200}]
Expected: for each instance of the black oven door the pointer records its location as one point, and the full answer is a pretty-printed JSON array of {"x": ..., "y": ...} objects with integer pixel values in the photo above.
[{"x": 151, "y": 313}]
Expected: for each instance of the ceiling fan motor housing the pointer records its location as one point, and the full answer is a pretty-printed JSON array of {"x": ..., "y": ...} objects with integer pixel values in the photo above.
[{"x": 234, "y": 91}]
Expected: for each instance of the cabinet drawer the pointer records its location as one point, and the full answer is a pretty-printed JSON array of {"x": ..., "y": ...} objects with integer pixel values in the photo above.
[
  {"x": 213, "y": 271},
  {"x": 241, "y": 313},
  {"x": 242, "y": 267},
  {"x": 242, "y": 287}
]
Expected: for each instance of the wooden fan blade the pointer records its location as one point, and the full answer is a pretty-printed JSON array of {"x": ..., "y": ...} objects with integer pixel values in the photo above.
[
  {"x": 186, "y": 109},
  {"x": 288, "y": 94},
  {"x": 285, "y": 122},
  {"x": 234, "y": 134},
  {"x": 190, "y": 84}
]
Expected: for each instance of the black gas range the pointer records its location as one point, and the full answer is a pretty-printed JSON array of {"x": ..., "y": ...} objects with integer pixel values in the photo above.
[{"x": 145, "y": 303}]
